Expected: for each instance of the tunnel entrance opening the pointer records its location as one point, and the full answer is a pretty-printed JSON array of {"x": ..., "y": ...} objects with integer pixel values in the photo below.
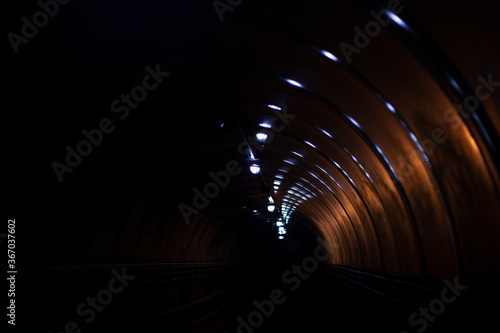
[{"x": 266, "y": 252}]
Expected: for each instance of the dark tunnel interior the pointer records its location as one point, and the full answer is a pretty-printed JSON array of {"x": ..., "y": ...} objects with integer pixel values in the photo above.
[{"x": 252, "y": 166}]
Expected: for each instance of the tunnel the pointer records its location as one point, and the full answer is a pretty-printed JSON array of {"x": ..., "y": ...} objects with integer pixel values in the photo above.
[{"x": 252, "y": 166}]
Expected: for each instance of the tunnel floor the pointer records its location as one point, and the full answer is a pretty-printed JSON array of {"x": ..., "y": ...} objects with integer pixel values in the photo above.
[
  {"x": 329, "y": 299},
  {"x": 312, "y": 307},
  {"x": 325, "y": 303}
]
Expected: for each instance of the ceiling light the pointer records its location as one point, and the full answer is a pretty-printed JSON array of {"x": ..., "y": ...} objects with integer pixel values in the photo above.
[
  {"x": 295, "y": 83},
  {"x": 255, "y": 169},
  {"x": 310, "y": 144},
  {"x": 274, "y": 107},
  {"x": 390, "y": 107},
  {"x": 396, "y": 19},
  {"x": 354, "y": 122},
  {"x": 326, "y": 133},
  {"x": 329, "y": 55},
  {"x": 261, "y": 137}
]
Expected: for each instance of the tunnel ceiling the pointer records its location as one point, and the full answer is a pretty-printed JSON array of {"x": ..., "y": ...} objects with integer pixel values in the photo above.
[{"x": 364, "y": 147}]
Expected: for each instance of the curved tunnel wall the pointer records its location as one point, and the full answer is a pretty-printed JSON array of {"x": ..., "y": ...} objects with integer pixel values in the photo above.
[{"x": 381, "y": 165}]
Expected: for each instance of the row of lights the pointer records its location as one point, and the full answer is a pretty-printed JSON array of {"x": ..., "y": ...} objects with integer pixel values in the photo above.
[
  {"x": 255, "y": 169},
  {"x": 284, "y": 210},
  {"x": 261, "y": 137}
]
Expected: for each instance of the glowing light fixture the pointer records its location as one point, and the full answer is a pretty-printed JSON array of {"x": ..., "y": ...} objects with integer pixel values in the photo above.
[
  {"x": 255, "y": 169},
  {"x": 397, "y": 19},
  {"x": 326, "y": 133},
  {"x": 261, "y": 137},
  {"x": 310, "y": 144},
  {"x": 329, "y": 55},
  {"x": 294, "y": 83},
  {"x": 390, "y": 107}
]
